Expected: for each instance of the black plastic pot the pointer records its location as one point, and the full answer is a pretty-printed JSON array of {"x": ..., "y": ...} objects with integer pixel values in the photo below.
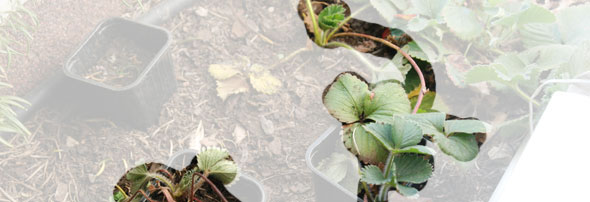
[
  {"x": 58, "y": 90},
  {"x": 138, "y": 103},
  {"x": 322, "y": 148},
  {"x": 246, "y": 188}
]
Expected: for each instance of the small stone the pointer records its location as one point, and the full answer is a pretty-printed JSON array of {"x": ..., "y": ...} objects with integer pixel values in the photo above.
[
  {"x": 91, "y": 178},
  {"x": 239, "y": 134},
  {"x": 271, "y": 9},
  {"x": 61, "y": 192},
  {"x": 71, "y": 142},
  {"x": 275, "y": 146},
  {"x": 238, "y": 30},
  {"x": 203, "y": 12},
  {"x": 267, "y": 125}
]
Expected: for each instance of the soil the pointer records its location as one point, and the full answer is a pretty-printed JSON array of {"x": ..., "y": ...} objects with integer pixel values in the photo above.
[
  {"x": 119, "y": 66},
  {"x": 267, "y": 134},
  {"x": 62, "y": 27}
]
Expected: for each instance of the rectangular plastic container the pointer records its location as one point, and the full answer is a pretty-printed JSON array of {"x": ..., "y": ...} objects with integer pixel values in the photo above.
[
  {"x": 322, "y": 148},
  {"x": 139, "y": 103}
]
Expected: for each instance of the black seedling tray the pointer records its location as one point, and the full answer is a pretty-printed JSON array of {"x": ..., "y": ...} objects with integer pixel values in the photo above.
[{"x": 139, "y": 102}]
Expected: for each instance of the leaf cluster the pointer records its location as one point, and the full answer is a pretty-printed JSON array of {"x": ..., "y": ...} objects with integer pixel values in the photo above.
[
  {"x": 380, "y": 130},
  {"x": 156, "y": 180},
  {"x": 505, "y": 45}
]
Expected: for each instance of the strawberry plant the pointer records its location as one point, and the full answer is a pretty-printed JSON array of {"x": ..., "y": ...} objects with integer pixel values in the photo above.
[
  {"x": 509, "y": 46},
  {"x": 156, "y": 182},
  {"x": 331, "y": 20},
  {"x": 380, "y": 129}
]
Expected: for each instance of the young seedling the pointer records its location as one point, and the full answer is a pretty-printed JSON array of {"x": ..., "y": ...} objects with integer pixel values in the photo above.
[
  {"x": 331, "y": 20},
  {"x": 379, "y": 128},
  {"x": 156, "y": 182}
]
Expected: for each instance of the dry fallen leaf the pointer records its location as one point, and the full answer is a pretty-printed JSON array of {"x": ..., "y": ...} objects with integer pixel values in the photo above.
[
  {"x": 222, "y": 71},
  {"x": 265, "y": 82},
  {"x": 239, "y": 134},
  {"x": 233, "y": 85},
  {"x": 71, "y": 142},
  {"x": 238, "y": 30},
  {"x": 197, "y": 136}
]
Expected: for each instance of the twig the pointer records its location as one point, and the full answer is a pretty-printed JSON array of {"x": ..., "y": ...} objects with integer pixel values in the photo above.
[
  {"x": 167, "y": 173},
  {"x": 196, "y": 199},
  {"x": 210, "y": 183},
  {"x": 121, "y": 190},
  {"x": 142, "y": 193},
  {"x": 7, "y": 195}
]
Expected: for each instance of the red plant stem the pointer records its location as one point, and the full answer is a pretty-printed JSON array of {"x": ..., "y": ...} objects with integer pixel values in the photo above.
[
  {"x": 168, "y": 196},
  {"x": 167, "y": 173},
  {"x": 209, "y": 182},
  {"x": 398, "y": 49},
  {"x": 196, "y": 199},
  {"x": 142, "y": 193}
]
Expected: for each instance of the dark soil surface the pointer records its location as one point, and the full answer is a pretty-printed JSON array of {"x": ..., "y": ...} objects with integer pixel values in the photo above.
[{"x": 62, "y": 27}]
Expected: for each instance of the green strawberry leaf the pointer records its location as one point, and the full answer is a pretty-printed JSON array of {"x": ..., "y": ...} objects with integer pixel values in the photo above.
[
  {"x": 418, "y": 149},
  {"x": 464, "y": 126},
  {"x": 533, "y": 13},
  {"x": 427, "y": 102},
  {"x": 388, "y": 99},
  {"x": 429, "y": 8},
  {"x": 571, "y": 24},
  {"x": 331, "y": 17},
  {"x": 399, "y": 134},
  {"x": 337, "y": 165},
  {"x": 407, "y": 191},
  {"x": 382, "y": 132},
  {"x": 119, "y": 196},
  {"x": 386, "y": 9},
  {"x": 137, "y": 176},
  {"x": 372, "y": 174},
  {"x": 218, "y": 163},
  {"x": 430, "y": 123},
  {"x": 463, "y": 22},
  {"x": 345, "y": 96},
  {"x": 461, "y": 146},
  {"x": 367, "y": 148},
  {"x": 412, "y": 169},
  {"x": 350, "y": 100},
  {"x": 537, "y": 34}
]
